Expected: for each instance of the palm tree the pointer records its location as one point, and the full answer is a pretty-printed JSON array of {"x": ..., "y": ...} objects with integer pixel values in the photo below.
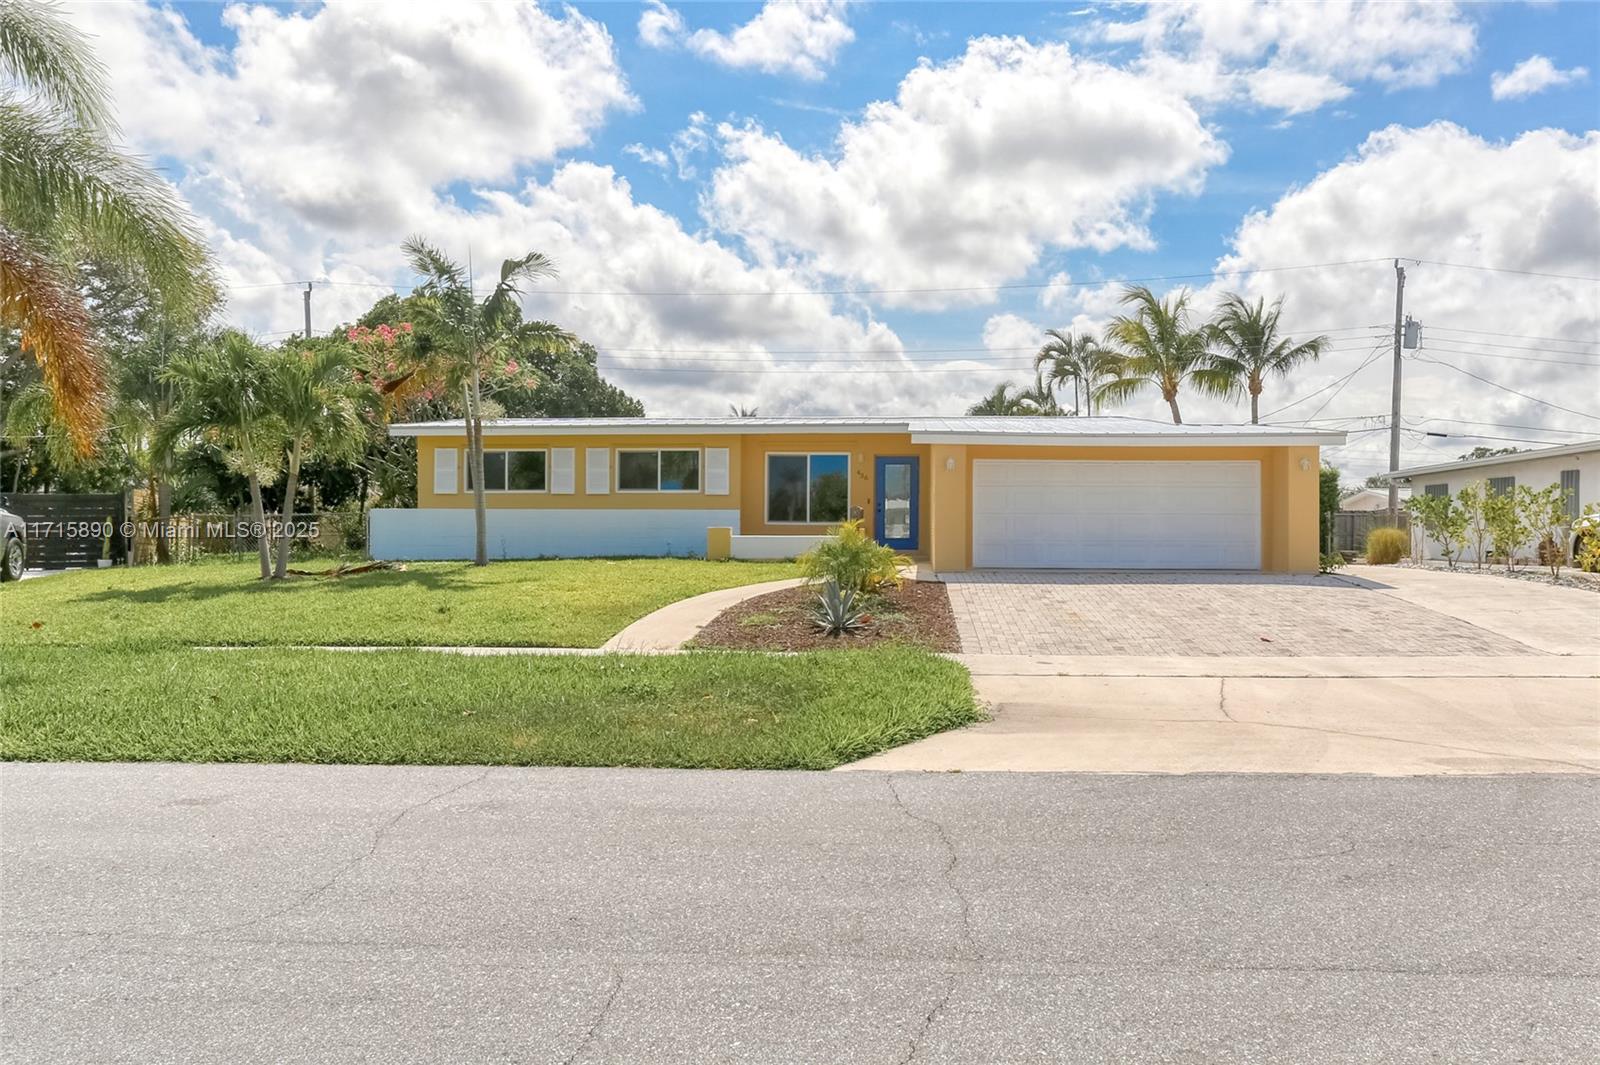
[
  {"x": 471, "y": 339},
  {"x": 318, "y": 406},
  {"x": 66, "y": 192},
  {"x": 1040, "y": 399},
  {"x": 1251, "y": 348},
  {"x": 1158, "y": 345},
  {"x": 1001, "y": 401},
  {"x": 739, "y": 410},
  {"x": 1079, "y": 358},
  {"x": 223, "y": 395}
]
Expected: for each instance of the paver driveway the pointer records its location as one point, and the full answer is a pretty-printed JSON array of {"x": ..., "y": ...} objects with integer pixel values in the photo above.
[{"x": 1053, "y": 612}]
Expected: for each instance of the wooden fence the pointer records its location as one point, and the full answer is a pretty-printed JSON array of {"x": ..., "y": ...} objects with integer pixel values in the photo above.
[{"x": 1350, "y": 528}]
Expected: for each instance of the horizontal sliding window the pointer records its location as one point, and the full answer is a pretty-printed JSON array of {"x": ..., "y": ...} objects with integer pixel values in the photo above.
[
  {"x": 658, "y": 471},
  {"x": 511, "y": 471},
  {"x": 808, "y": 489}
]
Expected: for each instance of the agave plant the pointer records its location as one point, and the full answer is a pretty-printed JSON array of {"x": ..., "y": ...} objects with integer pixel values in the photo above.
[{"x": 838, "y": 612}]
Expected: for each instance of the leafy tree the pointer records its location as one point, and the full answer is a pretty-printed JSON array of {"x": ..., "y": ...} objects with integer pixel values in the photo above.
[
  {"x": 223, "y": 396},
  {"x": 1545, "y": 512},
  {"x": 1159, "y": 345},
  {"x": 1488, "y": 452},
  {"x": 1444, "y": 520},
  {"x": 473, "y": 340},
  {"x": 1080, "y": 359},
  {"x": 1474, "y": 498},
  {"x": 66, "y": 193},
  {"x": 1507, "y": 525},
  {"x": 1250, "y": 348}
]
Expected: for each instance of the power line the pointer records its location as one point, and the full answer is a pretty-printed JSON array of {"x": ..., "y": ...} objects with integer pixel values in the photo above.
[
  {"x": 999, "y": 287},
  {"x": 1506, "y": 270},
  {"x": 1519, "y": 347},
  {"x": 1513, "y": 391},
  {"x": 1339, "y": 382},
  {"x": 1513, "y": 358},
  {"x": 1513, "y": 336},
  {"x": 1502, "y": 425}
]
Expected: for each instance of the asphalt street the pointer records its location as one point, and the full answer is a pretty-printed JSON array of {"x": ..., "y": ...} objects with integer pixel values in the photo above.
[{"x": 156, "y": 913}]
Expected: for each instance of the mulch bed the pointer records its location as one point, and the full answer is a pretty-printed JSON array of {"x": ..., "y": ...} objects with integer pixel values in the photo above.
[{"x": 916, "y": 614}]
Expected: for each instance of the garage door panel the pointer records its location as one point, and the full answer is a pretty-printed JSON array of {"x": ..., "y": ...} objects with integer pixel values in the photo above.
[{"x": 1117, "y": 515}]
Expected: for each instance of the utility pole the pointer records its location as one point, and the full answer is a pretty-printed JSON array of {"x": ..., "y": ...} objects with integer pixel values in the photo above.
[
  {"x": 1394, "y": 411},
  {"x": 308, "y": 318}
]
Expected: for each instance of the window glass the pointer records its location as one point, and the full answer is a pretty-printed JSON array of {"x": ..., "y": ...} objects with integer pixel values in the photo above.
[
  {"x": 494, "y": 470},
  {"x": 636, "y": 470},
  {"x": 1436, "y": 490},
  {"x": 830, "y": 487},
  {"x": 786, "y": 488},
  {"x": 1569, "y": 490},
  {"x": 680, "y": 471},
  {"x": 1499, "y": 486},
  {"x": 525, "y": 472}
]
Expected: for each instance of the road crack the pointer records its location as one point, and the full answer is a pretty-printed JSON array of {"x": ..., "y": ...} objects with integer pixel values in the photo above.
[
  {"x": 351, "y": 863},
  {"x": 599, "y": 1019}
]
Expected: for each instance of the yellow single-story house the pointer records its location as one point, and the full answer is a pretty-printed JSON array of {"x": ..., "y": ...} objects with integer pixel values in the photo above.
[{"x": 957, "y": 493}]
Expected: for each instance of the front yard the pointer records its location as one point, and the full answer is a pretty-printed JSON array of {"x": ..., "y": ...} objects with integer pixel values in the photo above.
[
  {"x": 711, "y": 710},
  {"x": 114, "y": 665},
  {"x": 547, "y": 603}
]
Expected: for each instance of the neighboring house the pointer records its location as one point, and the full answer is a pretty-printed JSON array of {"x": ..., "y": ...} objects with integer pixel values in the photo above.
[
  {"x": 1368, "y": 499},
  {"x": 1575, "y": 467},
  {"x": 958, "y": 493}
]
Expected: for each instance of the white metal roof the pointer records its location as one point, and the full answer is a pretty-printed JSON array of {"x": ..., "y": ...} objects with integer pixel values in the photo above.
[
  {"x": 1499, "y": 460},
  {"x": 953, "y": 430}
]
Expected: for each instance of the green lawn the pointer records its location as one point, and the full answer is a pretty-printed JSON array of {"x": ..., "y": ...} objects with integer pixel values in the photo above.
[
  {"x": 555, "y": 603},
  {"x": 707, "y": 709}
]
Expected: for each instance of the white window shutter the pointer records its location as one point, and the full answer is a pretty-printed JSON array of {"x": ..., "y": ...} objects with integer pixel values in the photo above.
[
  {"x": 716, "y": 471},
  {"x": 597, "y": 470},
  {"x": 563, "y": 471},
  {"x": 444, "y": 471}
]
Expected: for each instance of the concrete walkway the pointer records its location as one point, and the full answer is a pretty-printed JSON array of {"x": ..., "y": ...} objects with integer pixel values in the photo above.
[
  {"x": 1537, "y": 711},
  {"x": 677, "y": 623}
]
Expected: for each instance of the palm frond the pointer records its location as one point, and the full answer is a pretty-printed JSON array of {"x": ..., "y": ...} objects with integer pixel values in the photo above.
[
  {"x": 435, "y": 267},
  {"x": 63, "y": 184},
  {"x": 51, "y": 58},
  {"x": 38, "y": 301}
]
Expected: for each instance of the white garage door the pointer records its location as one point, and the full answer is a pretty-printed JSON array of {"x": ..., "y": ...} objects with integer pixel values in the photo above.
[{"x": 1116, "y": 515}]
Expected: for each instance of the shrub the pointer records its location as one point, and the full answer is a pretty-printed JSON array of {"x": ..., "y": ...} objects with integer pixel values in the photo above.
[
  {"x": 853, "y": 560},
  {"x": 1386, "y": 545},
  {"x": 1331, "y": 560},
  {"x": 838, "y": 612}
]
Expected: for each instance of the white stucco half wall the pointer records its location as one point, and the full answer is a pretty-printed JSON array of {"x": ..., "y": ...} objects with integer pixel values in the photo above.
[{"x": 447, "y": 534}]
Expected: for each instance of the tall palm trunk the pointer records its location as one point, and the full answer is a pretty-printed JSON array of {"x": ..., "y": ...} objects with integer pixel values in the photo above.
[
  {"x": 289, "y": 492},
  {"x": 163, "y": 519},
  {"x": 480, "y": 503},
  {"x": 259, "y": 511},
  {"x": 1172, "y": 401},
  {"x": 1255, "y": 403}
]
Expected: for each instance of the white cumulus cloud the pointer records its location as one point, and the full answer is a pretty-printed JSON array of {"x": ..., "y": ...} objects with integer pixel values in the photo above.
[
  {"x": 1296, "y": 55},
  {"x": 785, "y": 37},
  {"x": 974, "y": 168},
  {"x": 1533, "y": 75}
]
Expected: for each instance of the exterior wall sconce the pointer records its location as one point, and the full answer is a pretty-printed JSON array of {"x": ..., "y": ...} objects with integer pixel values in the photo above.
[
  {"x": 950, "y": 463},
  {"x": 1305, "y": 464}
]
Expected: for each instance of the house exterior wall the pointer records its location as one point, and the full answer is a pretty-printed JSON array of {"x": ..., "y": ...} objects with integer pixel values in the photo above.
[
  {"x": 1289, "y": 541},
  {"x": 1537, "y": 472}
]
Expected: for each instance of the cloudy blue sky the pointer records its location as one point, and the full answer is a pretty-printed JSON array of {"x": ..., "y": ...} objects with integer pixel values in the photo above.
[{"x": 876, "y": 207}]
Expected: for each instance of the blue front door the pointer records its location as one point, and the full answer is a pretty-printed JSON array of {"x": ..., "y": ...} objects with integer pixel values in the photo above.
[{"x": 898, "y": 499}]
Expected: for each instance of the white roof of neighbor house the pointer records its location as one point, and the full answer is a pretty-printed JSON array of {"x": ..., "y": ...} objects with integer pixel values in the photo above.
[
  {"x": 951, "y": 430},
  {"x": 1500, "y": 460}
]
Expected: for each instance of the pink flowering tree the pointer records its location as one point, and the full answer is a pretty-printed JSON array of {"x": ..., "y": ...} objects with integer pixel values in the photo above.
[{"x": 477, "y": 346}]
